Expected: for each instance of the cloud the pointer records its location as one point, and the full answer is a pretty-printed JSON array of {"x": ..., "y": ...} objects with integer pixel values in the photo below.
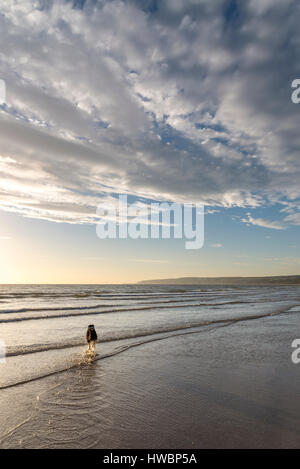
[
  {"x": 284, "y": 260},
  {"x": 216, "y": 245},
  {"x": 293, "y": 219},
  {"x": 190, "y": 101},
  {"x": 274, "y": 225}
]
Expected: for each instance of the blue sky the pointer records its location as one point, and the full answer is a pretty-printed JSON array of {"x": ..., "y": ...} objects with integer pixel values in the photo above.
[{"x": 177, "y": 101}]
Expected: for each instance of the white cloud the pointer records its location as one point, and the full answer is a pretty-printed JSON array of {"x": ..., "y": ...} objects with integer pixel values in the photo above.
[
  {"x": 274, "y": 225},
  {"x": 216, "y": 245},
  {"x": 293, "y": 219},
  {"x": 176, "y": 104}
]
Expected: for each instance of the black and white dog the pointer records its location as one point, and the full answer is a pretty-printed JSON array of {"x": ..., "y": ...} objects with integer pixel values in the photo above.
[{"x": 91, "y": 337}]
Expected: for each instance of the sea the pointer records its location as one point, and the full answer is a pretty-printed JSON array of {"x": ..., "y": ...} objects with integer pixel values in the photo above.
[{"x": 43, "y": 327}]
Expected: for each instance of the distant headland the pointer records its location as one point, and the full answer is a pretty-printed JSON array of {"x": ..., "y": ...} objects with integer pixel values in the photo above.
[{"x": 276, "y": 280}]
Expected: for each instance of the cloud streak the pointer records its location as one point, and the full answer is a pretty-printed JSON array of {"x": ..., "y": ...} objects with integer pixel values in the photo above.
[{"x": 274, "y": 225}]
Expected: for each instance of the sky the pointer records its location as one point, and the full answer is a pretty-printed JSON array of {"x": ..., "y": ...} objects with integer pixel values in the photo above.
[{"x": 185, "y": 101}]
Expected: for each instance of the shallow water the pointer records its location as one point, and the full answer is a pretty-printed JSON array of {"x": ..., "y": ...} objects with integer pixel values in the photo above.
[{"x": 148, "y": 335}]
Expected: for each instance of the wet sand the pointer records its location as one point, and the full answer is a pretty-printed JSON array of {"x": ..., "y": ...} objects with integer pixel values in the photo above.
[{"x": 228, "y": 387}]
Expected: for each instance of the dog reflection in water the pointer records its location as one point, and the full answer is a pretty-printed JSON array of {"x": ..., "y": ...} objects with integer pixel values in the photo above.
[{"x": 91, "y": 337}]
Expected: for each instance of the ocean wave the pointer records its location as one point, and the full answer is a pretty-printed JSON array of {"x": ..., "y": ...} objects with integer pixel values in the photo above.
[
  {"x": 147, "y": 337},
  {"x": 114, "y": 310},
  {"x": 27, "y": 349},
  {"x": 101, "y": 305},
  {"x": 108, "y": 295}
]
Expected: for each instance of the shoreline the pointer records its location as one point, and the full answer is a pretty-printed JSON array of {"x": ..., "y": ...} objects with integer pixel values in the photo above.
[{"x": 231, "y": 387}]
